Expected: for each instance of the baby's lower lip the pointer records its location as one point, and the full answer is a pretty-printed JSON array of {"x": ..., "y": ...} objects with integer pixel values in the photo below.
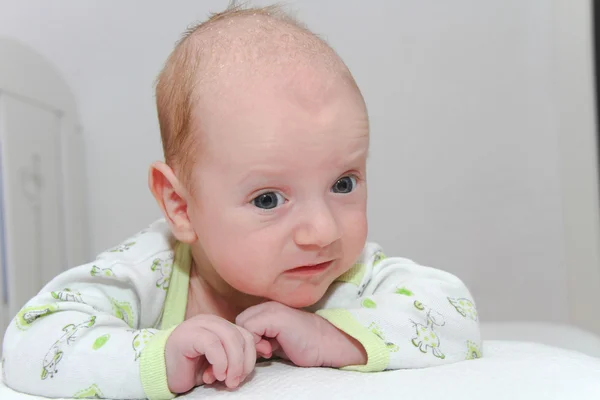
[{"x": 310, "y": 269}]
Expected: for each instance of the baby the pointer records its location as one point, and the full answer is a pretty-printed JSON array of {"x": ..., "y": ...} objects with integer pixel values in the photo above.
[{"x": 262, "y": 250}]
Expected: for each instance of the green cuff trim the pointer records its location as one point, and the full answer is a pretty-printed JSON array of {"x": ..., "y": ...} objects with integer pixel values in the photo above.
[
  {"x": 378, "y": 355},
  {"x": 153, "y": 368}
]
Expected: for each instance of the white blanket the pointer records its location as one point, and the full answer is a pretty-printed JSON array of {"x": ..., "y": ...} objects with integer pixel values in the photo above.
[{"x": 509, "y": 370}]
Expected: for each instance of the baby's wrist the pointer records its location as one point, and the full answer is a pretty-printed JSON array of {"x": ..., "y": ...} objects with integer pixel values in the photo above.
[{"x": 340, "y": 349}]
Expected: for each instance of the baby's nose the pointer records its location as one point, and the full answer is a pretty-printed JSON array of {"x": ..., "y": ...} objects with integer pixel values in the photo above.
[{"x": 321, "y": 229}]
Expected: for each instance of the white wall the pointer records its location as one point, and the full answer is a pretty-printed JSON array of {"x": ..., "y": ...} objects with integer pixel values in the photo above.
[{"x": 465, "y": 118}]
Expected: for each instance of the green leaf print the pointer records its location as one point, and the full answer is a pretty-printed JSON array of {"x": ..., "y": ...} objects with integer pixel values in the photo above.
[
  {"x": 101, "y": 341},
  {"x": 404, "y": 291},
  {"x": 368, "y": 303}
]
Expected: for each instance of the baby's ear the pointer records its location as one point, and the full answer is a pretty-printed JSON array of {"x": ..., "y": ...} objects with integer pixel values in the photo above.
[{"x": 171, "y": 196}]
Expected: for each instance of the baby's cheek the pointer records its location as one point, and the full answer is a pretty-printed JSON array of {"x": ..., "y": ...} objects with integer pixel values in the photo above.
[
  {"x": 246, "y": 277},
  {"x": 355, "y": 233}
]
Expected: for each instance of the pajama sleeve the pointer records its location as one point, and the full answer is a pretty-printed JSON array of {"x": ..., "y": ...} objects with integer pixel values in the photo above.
[
  {"x": 94, "y": 330},
  {"x": 404, "y": 314}
]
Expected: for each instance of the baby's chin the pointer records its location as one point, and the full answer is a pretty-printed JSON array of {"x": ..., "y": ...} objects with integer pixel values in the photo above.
[{"x": 300, "y": 299}]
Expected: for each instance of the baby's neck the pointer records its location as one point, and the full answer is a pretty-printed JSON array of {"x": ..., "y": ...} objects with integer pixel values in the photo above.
[{"x": 205, "y": 298}]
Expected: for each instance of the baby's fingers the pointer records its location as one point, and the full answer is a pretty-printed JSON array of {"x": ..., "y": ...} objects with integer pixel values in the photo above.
[
  {"x": 210, "y": 345},
  {"x": 264, "y": 349},
  {"x": 232, "y": 341},
  {"x": 208, "y": 376},
  {"x": 249, "y": 352}
]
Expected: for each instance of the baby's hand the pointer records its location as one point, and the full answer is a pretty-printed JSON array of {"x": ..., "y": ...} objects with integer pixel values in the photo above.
[
  {"x": 208, "y": 348},
  {"x": 304, "y": 338}
]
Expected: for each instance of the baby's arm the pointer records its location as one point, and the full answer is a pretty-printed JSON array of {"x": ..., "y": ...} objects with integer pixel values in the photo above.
[
  {"x": 83, "y": 334},
  {"x": 405, "y": 315}
]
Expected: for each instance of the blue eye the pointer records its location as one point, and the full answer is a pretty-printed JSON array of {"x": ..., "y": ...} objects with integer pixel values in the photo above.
[
  {"x": 344, "y": 185},
  {"x": 268, "y": 201}
]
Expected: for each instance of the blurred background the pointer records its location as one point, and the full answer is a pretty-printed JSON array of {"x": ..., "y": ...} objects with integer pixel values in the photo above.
[{"x": 483, "y": 160}]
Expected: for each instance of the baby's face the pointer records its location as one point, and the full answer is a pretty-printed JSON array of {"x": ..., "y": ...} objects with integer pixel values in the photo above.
[{"x": 281, "y": 185}]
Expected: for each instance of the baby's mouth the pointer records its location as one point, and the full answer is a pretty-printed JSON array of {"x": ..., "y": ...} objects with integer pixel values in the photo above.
[{"x": 310, "y": 269}]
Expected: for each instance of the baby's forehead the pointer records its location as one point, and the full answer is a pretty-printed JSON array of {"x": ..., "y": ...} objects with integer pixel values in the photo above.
[{"x": 269, "y": 124}]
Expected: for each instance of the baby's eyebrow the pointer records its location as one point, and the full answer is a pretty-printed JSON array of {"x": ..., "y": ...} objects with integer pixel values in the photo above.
[
  {"x": 261, "y": 174},
  {"x": 354, "y": 157}
]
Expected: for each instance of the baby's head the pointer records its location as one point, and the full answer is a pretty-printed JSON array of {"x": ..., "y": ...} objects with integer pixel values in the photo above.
[{"x": 265, "y": 136}]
